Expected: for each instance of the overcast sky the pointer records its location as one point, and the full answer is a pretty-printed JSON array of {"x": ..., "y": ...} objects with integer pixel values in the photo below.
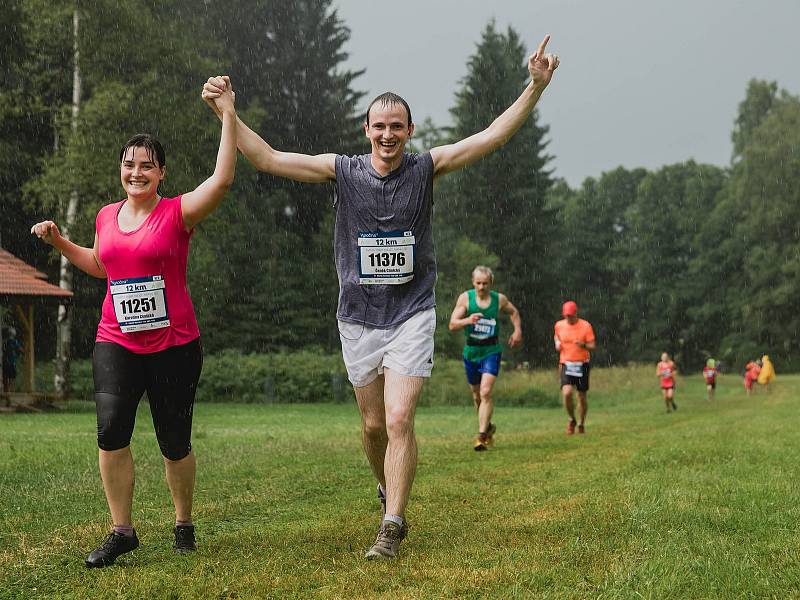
[{"x": 641, "y": 82}]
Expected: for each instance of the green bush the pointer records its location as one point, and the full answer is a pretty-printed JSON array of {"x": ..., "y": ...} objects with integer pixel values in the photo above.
[
  {"x": 81, "y": 382},
  {"x": 530, "y": 396},
  {"x": 308, "y": 376},
  {"x": 448, "y": 387},
  {"x": 230, "y": 376},
  {"x": 312, "y": 376}
]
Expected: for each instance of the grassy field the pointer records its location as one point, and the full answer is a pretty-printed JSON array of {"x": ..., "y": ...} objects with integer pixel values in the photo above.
[{"x": 702, "y": 503}]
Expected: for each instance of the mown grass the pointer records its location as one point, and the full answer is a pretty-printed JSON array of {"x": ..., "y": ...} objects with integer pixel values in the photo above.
[{"x": 702, "y": 503}]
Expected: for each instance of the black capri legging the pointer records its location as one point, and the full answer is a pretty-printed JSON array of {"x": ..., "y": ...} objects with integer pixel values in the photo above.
[{"x": 170, "y": 379}]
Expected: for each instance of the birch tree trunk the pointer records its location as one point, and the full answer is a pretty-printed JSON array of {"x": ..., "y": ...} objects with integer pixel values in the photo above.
[{"x": 64, "y": 343}]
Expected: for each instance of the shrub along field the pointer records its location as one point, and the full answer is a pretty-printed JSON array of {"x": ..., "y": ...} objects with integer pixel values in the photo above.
[
  {"x": 702, "y": 503},
  {"x": 314, "y": 376}
]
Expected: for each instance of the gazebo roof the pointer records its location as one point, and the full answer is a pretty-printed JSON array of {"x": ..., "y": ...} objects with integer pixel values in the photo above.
[{"x": 18, "y": 278}]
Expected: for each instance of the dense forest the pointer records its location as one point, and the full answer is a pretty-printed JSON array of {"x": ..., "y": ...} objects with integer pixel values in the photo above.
[{"x": 696, "y": 260}]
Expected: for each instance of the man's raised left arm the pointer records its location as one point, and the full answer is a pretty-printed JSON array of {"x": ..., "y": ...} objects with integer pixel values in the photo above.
[
  {"x": 458, "y": 155},
  {"x": 516, "y": 336}
]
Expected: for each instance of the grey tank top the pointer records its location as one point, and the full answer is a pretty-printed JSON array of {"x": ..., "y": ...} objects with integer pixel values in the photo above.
[{"x": 368, "y": 205}]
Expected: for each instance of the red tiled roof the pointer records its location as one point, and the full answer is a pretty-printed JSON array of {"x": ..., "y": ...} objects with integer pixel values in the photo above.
[{"x": 18, "y": 278}]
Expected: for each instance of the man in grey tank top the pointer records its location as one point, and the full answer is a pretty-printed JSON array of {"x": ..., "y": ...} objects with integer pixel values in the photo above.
[{"x": 387, "y": 268}]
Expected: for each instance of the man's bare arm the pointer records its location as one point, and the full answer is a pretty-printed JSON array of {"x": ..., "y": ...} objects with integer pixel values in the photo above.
[
  {"x": 452, "y": 157},
  {"x": 458, "y": 319},
  {"x": 319, "y": 168},
  {"x": 516, "y": 320}
]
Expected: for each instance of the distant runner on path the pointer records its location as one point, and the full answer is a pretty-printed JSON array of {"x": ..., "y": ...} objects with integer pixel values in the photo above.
[
  {"x": 767, "y": 374},
  {"x": 12, "y": 351},
  {"x": 477, "y": 312},
  {"x": 710, "y": 375},
  {"x": 751, "y": 372},
  {"x": 666, "y": 371},
  {"x": 573, "y": 339}
]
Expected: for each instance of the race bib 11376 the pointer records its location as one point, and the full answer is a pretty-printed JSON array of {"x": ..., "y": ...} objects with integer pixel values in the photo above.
[{"x": 385, "y": 257}]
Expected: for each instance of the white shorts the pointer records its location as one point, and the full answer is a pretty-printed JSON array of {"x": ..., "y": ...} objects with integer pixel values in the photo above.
[{"x": 406, "y": 349}]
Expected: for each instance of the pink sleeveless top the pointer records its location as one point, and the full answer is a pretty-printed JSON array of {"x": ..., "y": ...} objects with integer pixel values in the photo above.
[{"x": 147, "y": 306}]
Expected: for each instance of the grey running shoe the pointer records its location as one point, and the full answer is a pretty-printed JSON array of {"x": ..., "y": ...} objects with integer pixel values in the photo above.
[
  {"x": 388, "y": 541},
  {"x": 382, "y": 498}
]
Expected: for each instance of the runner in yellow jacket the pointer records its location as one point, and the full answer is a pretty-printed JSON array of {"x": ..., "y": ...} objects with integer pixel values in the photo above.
[{"x": 767, "y": 374}]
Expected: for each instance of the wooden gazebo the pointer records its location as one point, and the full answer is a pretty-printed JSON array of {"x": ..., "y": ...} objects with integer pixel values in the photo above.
[{"x": 21, "y": 289}]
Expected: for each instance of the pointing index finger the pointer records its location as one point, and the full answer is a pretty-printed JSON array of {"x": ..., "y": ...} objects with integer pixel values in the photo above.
[{"x": 540, "y": 50}]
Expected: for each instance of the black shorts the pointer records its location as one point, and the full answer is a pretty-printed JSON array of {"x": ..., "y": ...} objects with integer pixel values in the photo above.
[
  {"x": 713, "y": 384},
  {"x": 170, "y": 379},
  {"x": 581, "y": 383}
]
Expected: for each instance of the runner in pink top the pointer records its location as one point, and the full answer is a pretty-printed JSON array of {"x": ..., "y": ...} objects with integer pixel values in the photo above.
[
  {"x": 666, "y": 371},
  {"x": 147, "y": 339},
  {"x": 158, "y": 248}
]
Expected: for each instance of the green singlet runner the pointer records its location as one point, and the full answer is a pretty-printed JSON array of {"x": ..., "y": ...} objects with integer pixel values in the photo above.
[{"x": 482, "y": 338}]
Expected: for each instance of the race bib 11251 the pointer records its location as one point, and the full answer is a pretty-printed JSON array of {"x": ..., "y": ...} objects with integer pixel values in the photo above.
[{"x": 140, "y": 303}]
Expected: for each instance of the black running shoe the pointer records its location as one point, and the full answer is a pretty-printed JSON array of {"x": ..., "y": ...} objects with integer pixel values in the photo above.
[
  {"x": 114, "y": 545},
  {"x": 184, "y": 539}
]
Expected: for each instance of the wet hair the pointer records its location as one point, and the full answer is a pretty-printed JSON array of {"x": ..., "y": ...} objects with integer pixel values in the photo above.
[
  {"x": 155, "y": 151},
  {"x": 388, "y": 99},
  {"x": 485, "y": 270}
]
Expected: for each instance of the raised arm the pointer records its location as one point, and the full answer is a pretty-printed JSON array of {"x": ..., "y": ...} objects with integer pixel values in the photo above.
[
  {"x": 86, "y": 259},
  {"x": 458, "y": 320},
  {"x": 319, "y": 168},
  {"x": 516, "y": 337},
  {"x": 198, "y": 204},
  {"x": 452, "y": 157}
]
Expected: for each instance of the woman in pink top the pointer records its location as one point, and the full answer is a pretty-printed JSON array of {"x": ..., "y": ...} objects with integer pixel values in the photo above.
[
  {"x": 666, "y": 371},
  {"x": 147, "y": 339}
]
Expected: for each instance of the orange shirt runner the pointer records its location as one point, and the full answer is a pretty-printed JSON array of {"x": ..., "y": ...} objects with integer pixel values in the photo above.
[{"x": 569, "y": 336}]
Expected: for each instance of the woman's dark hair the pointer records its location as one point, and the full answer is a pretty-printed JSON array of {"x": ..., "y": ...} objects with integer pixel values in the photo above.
[
  {"x": 155, "y": 151},
  {"x": 387, "y": 99}
]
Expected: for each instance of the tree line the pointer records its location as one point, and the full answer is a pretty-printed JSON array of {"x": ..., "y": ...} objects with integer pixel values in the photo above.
[{"x": 696, "y": 260}]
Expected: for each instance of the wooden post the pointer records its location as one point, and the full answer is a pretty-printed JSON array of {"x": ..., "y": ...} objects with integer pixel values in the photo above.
[
  {"x": 2, "y": 341},
  {"x": 29, "y": 353},
  {"x": 27, "y": 324}
]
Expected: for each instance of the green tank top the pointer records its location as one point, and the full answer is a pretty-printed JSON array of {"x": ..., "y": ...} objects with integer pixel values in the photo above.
[{"x": 482, "y": 339}]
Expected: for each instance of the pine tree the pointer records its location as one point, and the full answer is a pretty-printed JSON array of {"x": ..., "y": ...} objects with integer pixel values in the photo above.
[
  {"x": 593, "y": 256},
  {"x": 279, "y": 283},
  {"x": 500, "y": 202}
]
